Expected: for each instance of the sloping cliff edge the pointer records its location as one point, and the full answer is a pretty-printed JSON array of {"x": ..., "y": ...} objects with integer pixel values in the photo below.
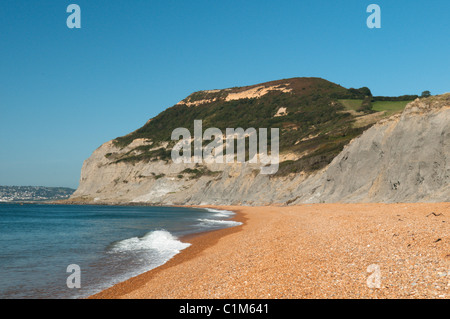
[{"x": 404, "y": 158}]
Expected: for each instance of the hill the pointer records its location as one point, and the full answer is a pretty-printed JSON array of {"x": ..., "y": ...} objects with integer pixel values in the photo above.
[
  {"x": 313, "y": 119},
  {"x": 318, "y": 122}
]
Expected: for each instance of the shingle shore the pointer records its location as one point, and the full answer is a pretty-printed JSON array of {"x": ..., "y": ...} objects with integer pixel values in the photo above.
[{"x": 310, "y": 251}]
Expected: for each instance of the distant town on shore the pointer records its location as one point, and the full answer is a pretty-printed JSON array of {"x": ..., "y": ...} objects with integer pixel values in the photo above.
[{"x": 33, "y": 193}]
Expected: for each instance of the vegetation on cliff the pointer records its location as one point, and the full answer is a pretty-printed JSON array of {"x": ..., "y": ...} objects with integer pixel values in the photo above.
[{"x": 317, "y": 121}]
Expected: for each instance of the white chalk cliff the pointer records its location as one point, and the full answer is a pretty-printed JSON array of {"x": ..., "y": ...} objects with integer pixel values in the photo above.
[{"x": 404, "y": 158}]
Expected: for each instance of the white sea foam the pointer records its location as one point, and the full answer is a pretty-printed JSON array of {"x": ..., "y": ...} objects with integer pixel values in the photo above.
[
  {"x": 220, "y": 212},
  {"x": 159, "y": 240},
  {"x": 149, "y": 251},
  {"x": 217, "y": 222}
]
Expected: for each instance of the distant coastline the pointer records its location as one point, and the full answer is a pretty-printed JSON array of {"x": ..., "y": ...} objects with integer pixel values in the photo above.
[
  {"x": 33, "y": 194},
  {"x": 86, "y": 203}
]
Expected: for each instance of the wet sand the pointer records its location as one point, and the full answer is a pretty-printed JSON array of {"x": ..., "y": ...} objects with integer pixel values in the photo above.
[{"x": 310, "y": 251}]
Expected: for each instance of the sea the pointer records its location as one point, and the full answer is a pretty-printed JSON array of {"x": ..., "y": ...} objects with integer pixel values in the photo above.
[{"x": 74, "y": 251}]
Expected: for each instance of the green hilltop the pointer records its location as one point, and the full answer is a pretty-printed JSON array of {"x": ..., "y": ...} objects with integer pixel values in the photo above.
[{"x": 318, "y": 119}]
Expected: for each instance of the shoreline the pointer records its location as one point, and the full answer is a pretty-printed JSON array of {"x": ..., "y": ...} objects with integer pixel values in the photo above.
[
  {"x": 199, "y": 242},
  {"x": 308, "y": 251}
]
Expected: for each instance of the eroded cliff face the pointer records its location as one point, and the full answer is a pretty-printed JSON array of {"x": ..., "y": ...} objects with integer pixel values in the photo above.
[
  {"x": 405, "y": 158},
  {"x": 164, "y": 182}
]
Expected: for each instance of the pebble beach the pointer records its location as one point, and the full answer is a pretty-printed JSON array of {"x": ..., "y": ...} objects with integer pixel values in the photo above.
[{"x": 309, "y": 251}]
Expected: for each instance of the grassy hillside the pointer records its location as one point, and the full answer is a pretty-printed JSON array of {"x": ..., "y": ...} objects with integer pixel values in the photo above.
[
  {"x": 316, "y": 126},
  {"x": 390, "y": 107},
  {"x": 351, "y": 105}
]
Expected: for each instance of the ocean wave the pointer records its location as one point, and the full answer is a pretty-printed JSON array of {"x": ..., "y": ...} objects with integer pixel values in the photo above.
[
  {"x": 217, "y": 222},
  {"x": 220, "y": 212},
  {"x": 159, "y": 240}
]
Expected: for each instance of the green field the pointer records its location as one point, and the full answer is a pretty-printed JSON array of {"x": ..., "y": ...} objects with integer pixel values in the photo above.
[
  {"x": 390, "y": 107},
  {"x": 351, "y": 104}
]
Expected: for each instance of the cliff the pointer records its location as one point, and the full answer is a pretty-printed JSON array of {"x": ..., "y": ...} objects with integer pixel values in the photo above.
[
  {"x": 405, "y": 158},
  {"x": 329, "y": 152}
]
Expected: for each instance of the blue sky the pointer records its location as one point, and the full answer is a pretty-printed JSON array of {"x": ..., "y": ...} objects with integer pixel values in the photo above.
[{"x": 64, "y": 92}]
